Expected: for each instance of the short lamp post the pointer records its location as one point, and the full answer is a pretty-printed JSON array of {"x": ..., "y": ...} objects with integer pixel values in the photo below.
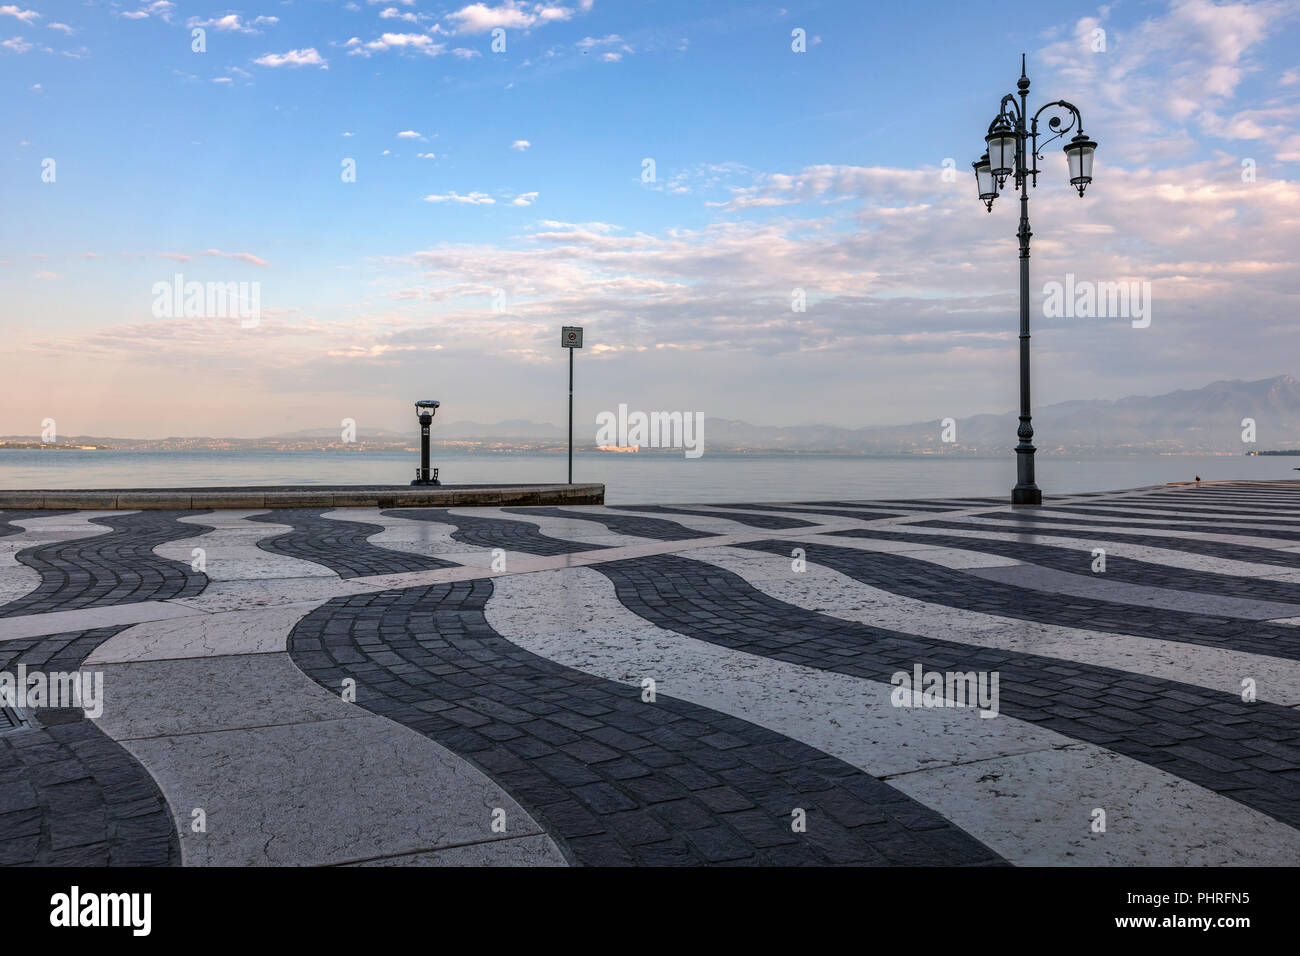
[
  {"x": 424, "y": 411},
  {"x": 1013, "y": 150}
]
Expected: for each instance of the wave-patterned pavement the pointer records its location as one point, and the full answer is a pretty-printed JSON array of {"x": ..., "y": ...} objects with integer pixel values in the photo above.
[{"x": 664, "y": 684}]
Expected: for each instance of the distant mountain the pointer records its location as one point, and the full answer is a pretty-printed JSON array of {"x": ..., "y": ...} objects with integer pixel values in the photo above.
[
  {"x": 515, "y": 428},
  {"x": 1207, "y": 419},
  {"x": 1189, "y": 421},
  {"x": 512, "y": 428}
]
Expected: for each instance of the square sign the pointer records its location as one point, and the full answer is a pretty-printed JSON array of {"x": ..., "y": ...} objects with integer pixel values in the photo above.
[{"x": 571, "y": 337}]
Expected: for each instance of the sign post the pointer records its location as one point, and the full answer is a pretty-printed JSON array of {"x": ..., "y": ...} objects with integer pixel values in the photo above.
[{"x": 571, "y": 338}]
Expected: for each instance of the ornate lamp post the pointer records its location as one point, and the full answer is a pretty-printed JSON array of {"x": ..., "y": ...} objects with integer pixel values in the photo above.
[{"x": 1013, "y": 150}]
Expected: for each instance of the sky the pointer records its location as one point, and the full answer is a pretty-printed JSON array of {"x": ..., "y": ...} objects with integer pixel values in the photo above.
[{"x": 425, "y": 193}]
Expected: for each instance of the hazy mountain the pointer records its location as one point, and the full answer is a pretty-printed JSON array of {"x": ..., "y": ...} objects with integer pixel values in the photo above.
[
  {"x": 452, "y": 430},
  {"x": 513, "y": 428},
  {"x": 1199, "y": 420},
  {"x": 1191, "y": 420}
]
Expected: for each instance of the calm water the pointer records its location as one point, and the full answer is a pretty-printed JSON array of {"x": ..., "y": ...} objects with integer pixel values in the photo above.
[{"x": 628, "y": 478}]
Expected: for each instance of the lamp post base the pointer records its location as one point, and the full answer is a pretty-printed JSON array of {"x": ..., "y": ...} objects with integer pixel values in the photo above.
[
  {"x": 426, "y": 476},
  {"x": 1026, "y": 495}
]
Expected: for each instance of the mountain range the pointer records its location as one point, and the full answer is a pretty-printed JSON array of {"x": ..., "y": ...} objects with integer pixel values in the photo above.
[{"x": 1208, "y": 420}]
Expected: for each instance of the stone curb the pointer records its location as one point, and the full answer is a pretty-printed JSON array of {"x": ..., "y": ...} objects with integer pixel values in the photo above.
[{"x": 398, "y": 496}]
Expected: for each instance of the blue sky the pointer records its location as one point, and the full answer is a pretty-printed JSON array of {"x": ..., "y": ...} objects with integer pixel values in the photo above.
[{"x": 820, "y": 170}]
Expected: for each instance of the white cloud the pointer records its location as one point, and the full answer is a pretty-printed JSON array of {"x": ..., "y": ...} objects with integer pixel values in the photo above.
[
  {"x": 246, "y": 257},
  {"x": 61, "y": 27},
  {"x": 26, "y": 16},
  {"x": 160, "y": 8},
  {"x": 426, "y": 155},
  {"x": 410, "y": 134},
  {"x": 524, "y": 199},
  {"x": 16, "y": 45},
  {"x": 304, "y": 57},
  {"x": 392, "y": 13},
  {"x": 1167, "y": 77},
  {"x": 414, "y": 42},
  {"x": 513, "y": 14},
  {"x": 232, "y": 23},
  {"x": 473, "y": 199},
  {"x": 520, "y": 145},
  {"x": 465, "y": 53}
]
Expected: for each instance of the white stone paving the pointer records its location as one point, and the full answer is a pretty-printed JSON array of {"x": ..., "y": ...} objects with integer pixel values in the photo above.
[
  {"x": 202, "y": 691},
  {"x": 1025, "y": 792},
  {"x": 1118, "y": 549},
  {"x": 825, "y": 591},
  {"x": 285, "y": 772},
  {"x": 230, "y": 551}
]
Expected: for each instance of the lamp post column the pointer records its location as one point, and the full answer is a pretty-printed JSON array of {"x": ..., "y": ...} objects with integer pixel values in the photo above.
[{"x": 1026, "y": 492}]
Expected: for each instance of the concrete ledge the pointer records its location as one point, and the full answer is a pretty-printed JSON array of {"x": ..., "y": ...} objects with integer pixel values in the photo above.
[{"x": 305, "y": 496}]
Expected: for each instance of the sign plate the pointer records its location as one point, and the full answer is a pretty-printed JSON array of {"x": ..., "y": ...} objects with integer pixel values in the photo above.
[{"x": 571, "y": 337}]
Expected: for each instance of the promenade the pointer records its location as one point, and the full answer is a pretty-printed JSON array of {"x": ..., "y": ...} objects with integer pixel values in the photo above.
[{"x": 659, "y": 685}]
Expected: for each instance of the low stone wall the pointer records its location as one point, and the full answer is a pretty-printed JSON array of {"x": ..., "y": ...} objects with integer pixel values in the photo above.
[{"x": 323, "y": 496}]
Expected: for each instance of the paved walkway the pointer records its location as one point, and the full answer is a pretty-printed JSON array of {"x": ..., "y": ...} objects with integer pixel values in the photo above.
[{"x": 661, "y": 685}]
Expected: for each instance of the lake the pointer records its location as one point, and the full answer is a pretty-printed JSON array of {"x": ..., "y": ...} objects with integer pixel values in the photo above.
[{"x": 630, "y": 478}]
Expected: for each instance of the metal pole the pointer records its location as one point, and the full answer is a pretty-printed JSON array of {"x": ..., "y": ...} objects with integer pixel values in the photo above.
[
  {"x": 425, "y": 422},
  {"x": 1025, "y": 492},
  {"x": 570, "y": 416}
]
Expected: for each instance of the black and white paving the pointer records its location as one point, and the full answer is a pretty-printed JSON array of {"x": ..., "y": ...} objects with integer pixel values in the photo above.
[{"x": 1107, "y": 680}]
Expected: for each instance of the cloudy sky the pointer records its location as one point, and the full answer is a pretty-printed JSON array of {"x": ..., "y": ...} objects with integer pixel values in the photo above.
[{"x": 499, "y": 194}]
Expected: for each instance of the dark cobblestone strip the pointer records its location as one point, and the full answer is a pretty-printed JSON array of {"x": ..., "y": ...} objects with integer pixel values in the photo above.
[
  {"x": 1239, "y": 512},
  {"x": 1075, "y": 560},
  {"x": 115, "y": 568},
  {"x": 1183, "y": 522},
  {"x": 507, "y": 533},
  {"x": 1227, "y": 510},
  {"x": 614, "y": 780},
  {"x": 906, "y": 507},
  {"x": 1246, "y": 752},
  {"x": 825, "y": 510},
  {"x": 930, "y": 504},
  {"x": 938, "y": 585},
  {"x": 340, "y": 546},
  {"x": 1226, "y": 494},
  {"x": 1135, "y": 534},
  {"x": 766, "y": 522},
  {"x": 69, "y": 794},
  {"x": 660, "y": 529}
]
